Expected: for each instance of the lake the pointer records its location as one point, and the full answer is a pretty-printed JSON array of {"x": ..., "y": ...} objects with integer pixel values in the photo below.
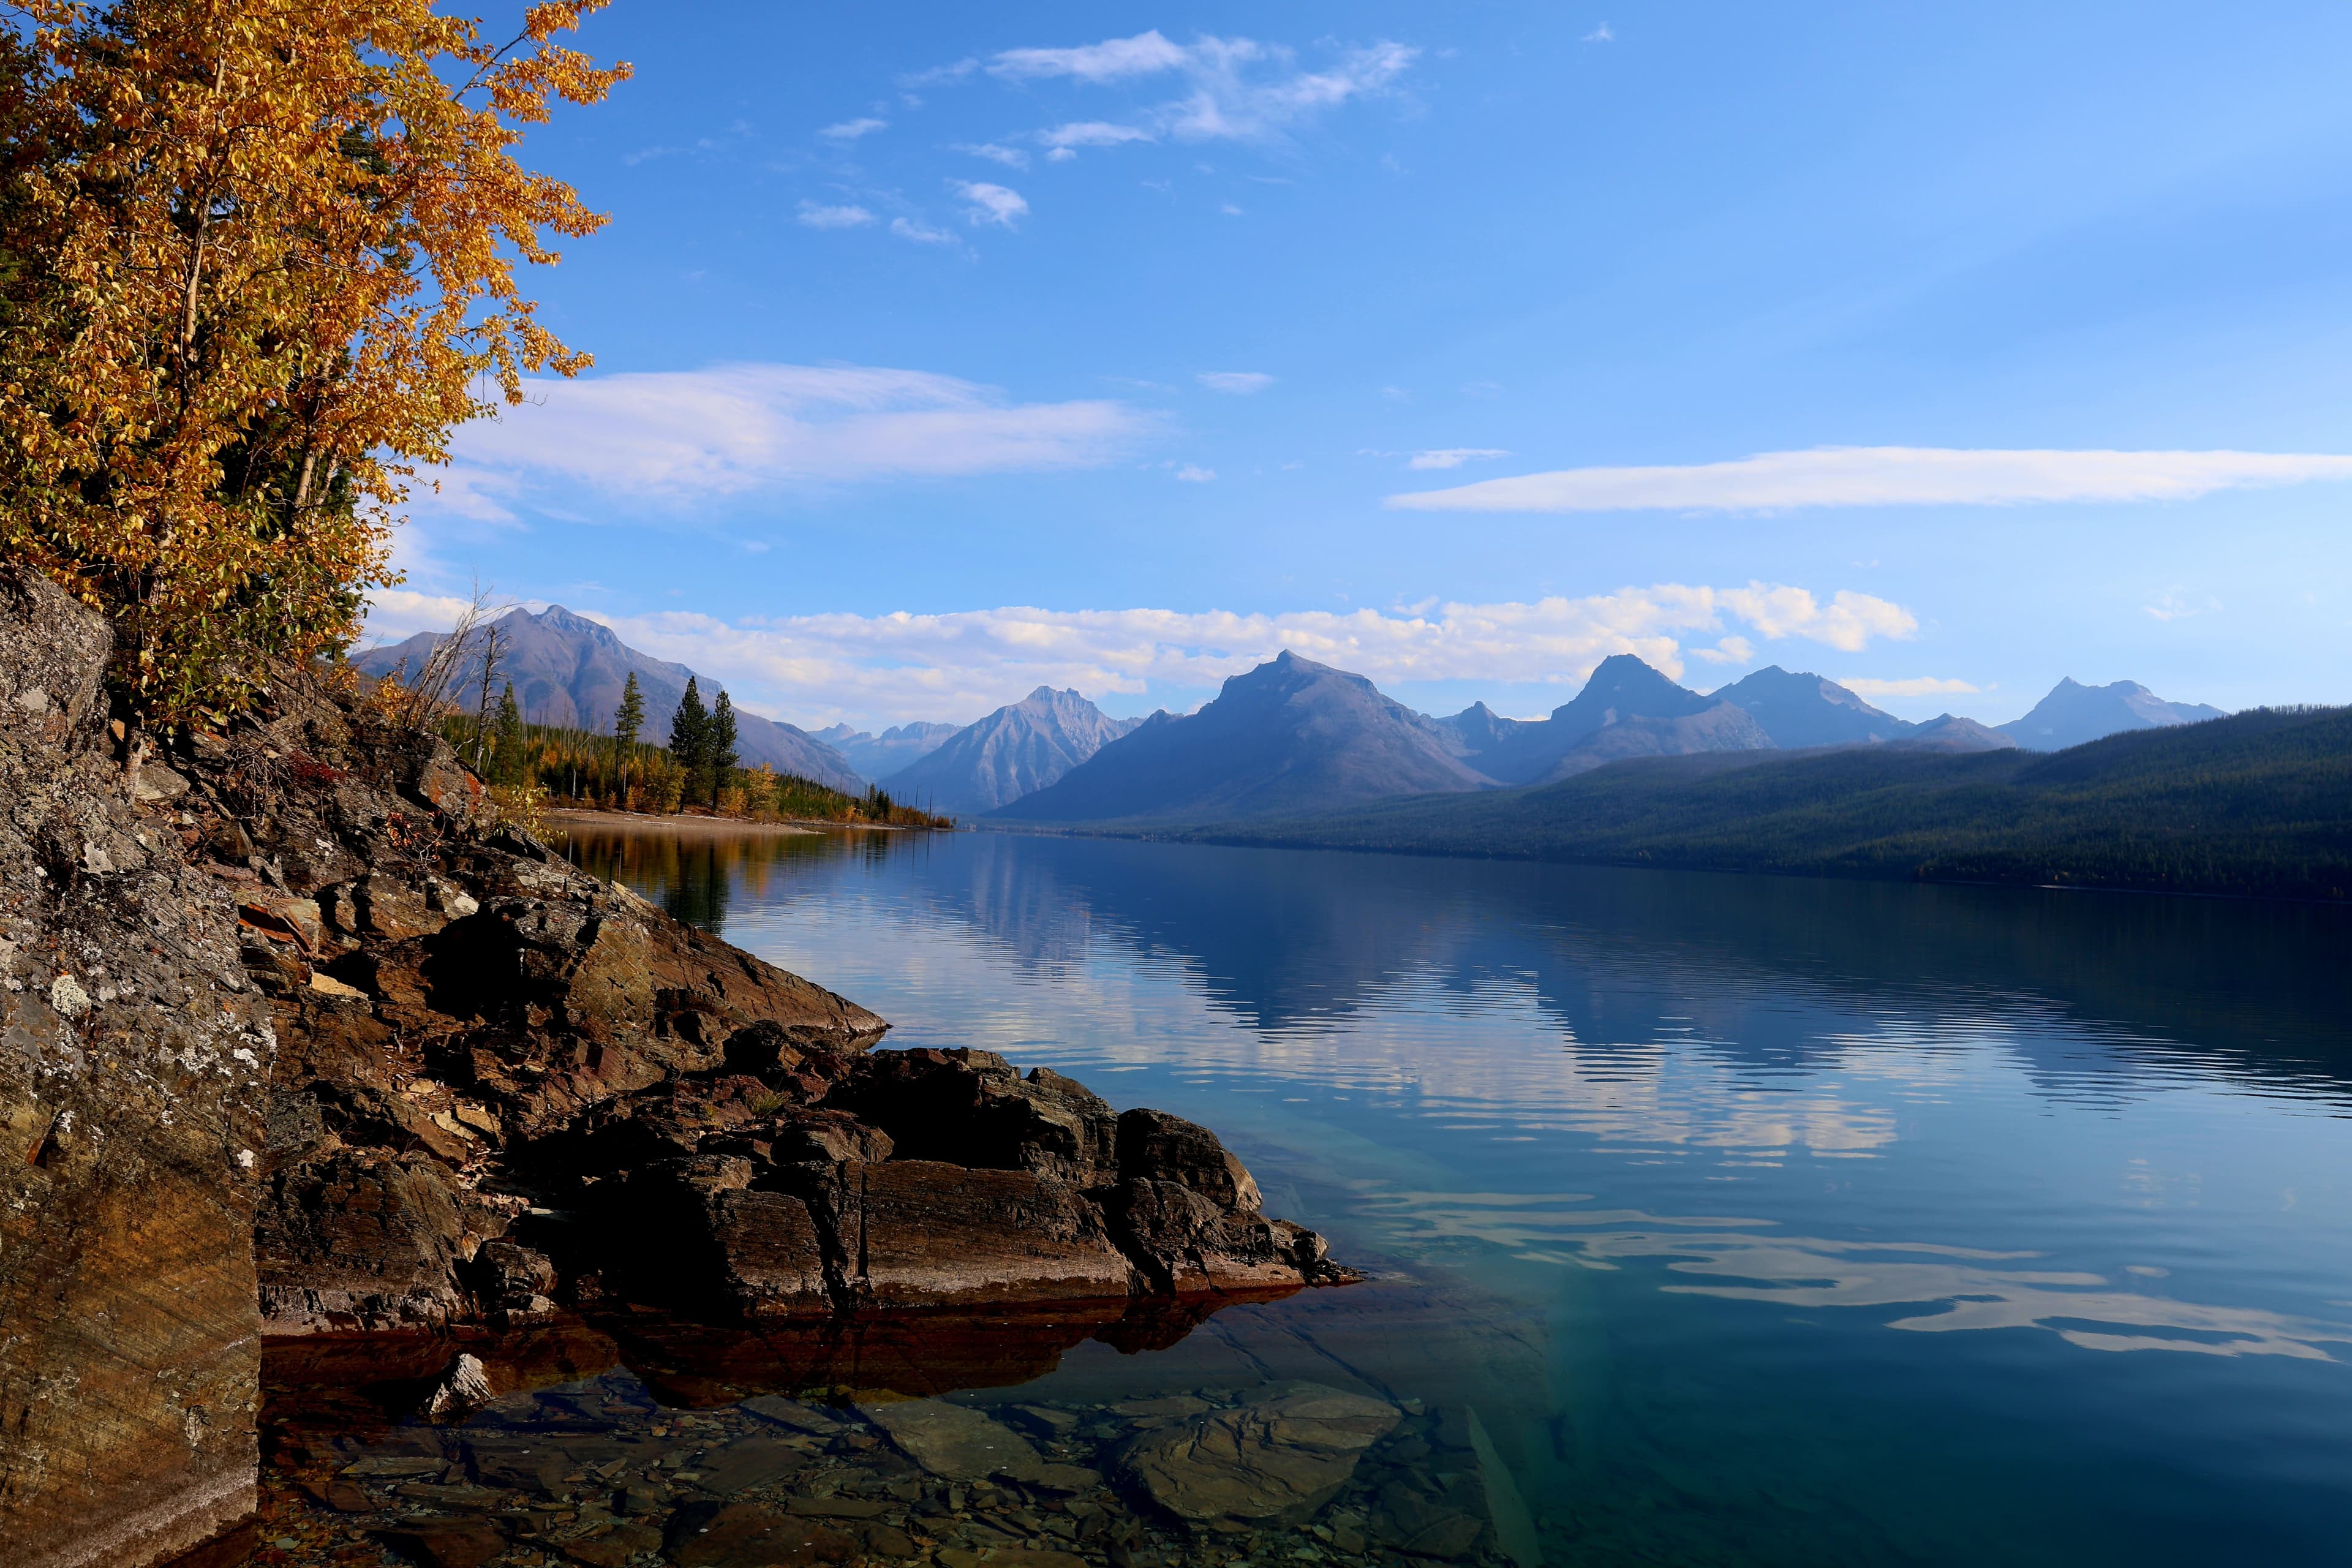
[{"x": 1761, "y": 1220}]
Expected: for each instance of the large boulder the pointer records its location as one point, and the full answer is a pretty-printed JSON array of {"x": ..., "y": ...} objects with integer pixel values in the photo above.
[
  {"x": 360, "y": 1239},
  {"x": 920, "y": 1233},
  {"x": 134, "y": 1055},
  {"x": 973, "y": 1108}
]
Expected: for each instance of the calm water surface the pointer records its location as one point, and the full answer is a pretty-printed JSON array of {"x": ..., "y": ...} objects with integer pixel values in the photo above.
[{"x": 1764, "y": 1221}]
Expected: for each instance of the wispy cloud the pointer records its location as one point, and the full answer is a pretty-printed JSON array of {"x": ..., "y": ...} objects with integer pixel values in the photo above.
[
  {"x": 1887, "y": 476},
  {"x": 1914, "y": 686},
  {"x": 1089, "y": 133},
  {"x": 894, "y": 668},
  {"x": 984, "y": 203},
  {"x": 995, "y": 152},
  {"x": 1193, "y": 473},
  {"x": 1454, "y": 456},
  {"x": 921, "y": 234},
  {"x": 2175, "y": 605},
  {"x": 1601, "y": 35},
  {"x": 1233, "y": 89},
  {"x": 817, "y": 214},
  {"x": 672, "y": 435},
  {"x": 851, "y": 129},
  {"x": 1234, "y": 383},
  {"x": 1112, "y": 60}
]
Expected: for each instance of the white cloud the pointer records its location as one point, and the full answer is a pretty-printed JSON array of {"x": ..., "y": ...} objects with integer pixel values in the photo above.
[
  {"x": 1887, "y": 476},
  {"x": 1915, "y": 685},
  {"x": 1234, "y": 89},
  {"x": 816, "y": 215},
  {"x": 1010, "y": 157},
  {"x": 1230, "y": 210},
  {"x": 1193, "y": 473},
  {"x": 396, "y": 614},
  {"x": 985, "y": 203},
  {"x": 851, "y": 129},
  {"x": 921, "y": 234},
  {"x": 1089, "y": 133},
  {"x": 895, "y": 668},
  {"x": 940, "y": 75},
  {"x": 1111, "y": 60},
  {"x": 1730, "y": 650},
  {"x": 2172, "y": 605},
  {"x": 735, "y": 428},
  {"x": 1234, "y": 383},
  {"x": 1601, "y": 35},
  {"x": 1454, "y": 456}
]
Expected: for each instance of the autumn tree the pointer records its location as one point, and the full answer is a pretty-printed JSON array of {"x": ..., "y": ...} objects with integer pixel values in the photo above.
[{"x": 257, "y": 260}]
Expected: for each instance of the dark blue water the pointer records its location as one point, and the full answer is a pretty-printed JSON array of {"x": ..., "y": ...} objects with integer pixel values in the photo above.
[{"x": 1765, "y": 1221}]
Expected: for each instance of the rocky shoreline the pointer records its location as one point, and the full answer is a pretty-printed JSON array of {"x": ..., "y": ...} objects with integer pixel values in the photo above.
[{"x": 297, "y": 1040}]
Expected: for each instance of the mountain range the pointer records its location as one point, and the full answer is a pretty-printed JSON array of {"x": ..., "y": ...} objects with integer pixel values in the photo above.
[
  {"x": 569, "y": 670},
  {"x": 1020, "y": 749},
  {"x": 2256, "y": 804},
  {"x": 1291, "y": 736},
  {"x": 879, "y": 756}
]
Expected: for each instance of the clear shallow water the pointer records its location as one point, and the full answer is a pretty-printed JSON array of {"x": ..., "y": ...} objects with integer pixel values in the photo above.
[{"x": 1764, "y": 1221}]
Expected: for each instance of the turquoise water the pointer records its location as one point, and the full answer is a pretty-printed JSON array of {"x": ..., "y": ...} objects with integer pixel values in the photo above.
[{"x": 1763, "y": 1220}]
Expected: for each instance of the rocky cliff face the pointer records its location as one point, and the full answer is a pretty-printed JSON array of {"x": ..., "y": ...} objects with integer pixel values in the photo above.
[
  {"x": 297, "y": 1041},
  {"x": 133, "y": 1057}
]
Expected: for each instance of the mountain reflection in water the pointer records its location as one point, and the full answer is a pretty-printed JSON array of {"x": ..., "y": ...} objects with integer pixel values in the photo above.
[{"x": 1734, "y": 1160}]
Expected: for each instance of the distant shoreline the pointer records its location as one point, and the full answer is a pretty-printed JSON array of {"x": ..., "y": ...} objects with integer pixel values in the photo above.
[{"x": 584, "y": 817}]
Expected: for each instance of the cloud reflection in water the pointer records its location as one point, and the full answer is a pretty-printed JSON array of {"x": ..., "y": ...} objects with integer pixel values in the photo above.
[{"x": 2081, "y": 1308}]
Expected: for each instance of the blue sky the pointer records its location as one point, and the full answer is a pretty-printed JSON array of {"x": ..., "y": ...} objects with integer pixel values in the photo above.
[{"x": 945, "y": 351}]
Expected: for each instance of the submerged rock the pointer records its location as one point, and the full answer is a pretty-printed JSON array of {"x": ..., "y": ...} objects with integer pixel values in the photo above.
[
  {"x": 1275, "y": 1459},
  {"x": 955, "y": 1442}
]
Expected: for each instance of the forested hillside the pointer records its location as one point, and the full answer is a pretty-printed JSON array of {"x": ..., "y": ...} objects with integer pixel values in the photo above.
[{"x": 2260, "y": 803}]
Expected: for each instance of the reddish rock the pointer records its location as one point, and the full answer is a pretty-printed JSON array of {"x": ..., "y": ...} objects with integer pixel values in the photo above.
[
  {"x": 456, "y": 1543},
  {"x": 919, "y": 1233},
  {"x": 360, "y": 1239}
]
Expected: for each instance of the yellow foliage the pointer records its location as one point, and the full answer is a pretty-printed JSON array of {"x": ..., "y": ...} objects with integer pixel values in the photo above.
[{"x": 257, "y": 261}]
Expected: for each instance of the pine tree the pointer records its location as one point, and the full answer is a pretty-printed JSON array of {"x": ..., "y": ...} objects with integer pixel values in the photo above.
[
  {"x": 509, "y": 764},
  {"x": 718, "y": 746},
  {"x": 626, "y": 725},
  {"x": 689, "y": 738}
]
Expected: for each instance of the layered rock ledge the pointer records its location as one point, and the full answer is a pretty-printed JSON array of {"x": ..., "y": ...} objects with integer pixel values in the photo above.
[{"x": 297, "y": 1040}]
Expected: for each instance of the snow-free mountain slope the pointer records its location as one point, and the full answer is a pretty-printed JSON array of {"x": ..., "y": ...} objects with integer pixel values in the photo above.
[
  {"x": 1290, "y": 735},
  {"x": 1719, "y": 726},
  {"x": 1950, "y": 733},
  {"x": 1621, "y": 687},
  {"x": 2074, "y": 714},
  {"x": 567, "y": 670},
  {"x": 1017, "y": 750},
  {"x": 1804, "y": 709}
]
